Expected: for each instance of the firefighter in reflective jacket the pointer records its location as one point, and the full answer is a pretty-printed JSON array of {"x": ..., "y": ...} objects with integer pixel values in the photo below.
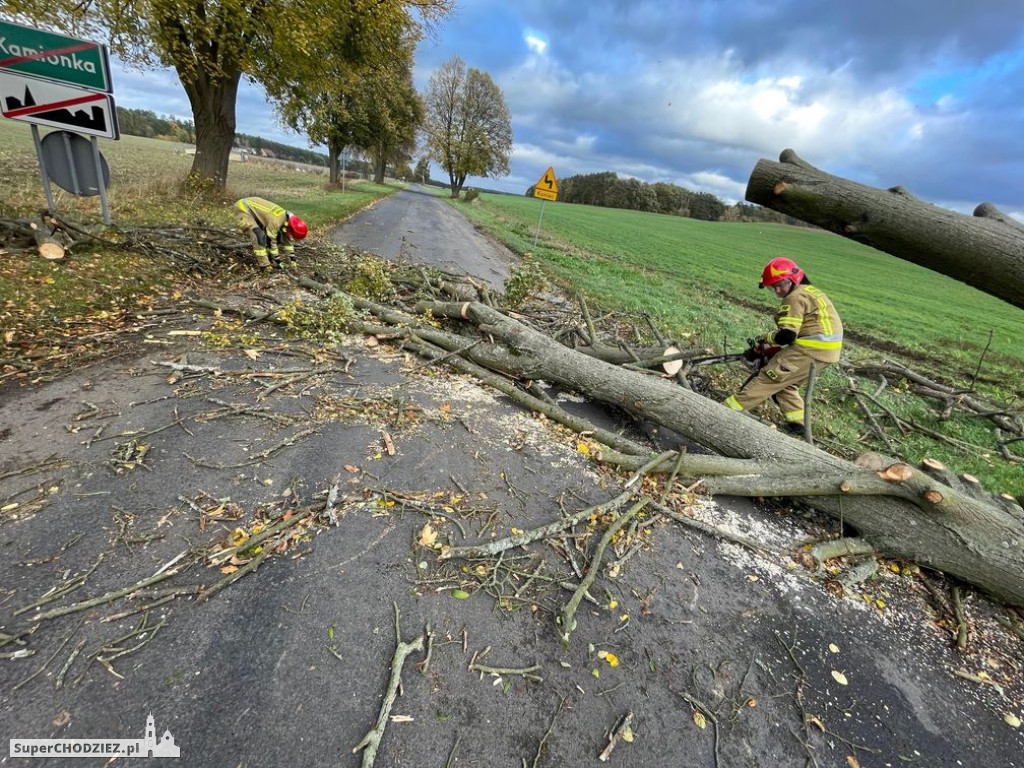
[
  {"x": 808, "y": 330},
  {"x": 272, "y": 229}
]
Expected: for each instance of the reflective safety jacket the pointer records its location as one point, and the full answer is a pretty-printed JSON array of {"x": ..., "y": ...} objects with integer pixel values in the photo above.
[
  {"x": 808, "y": 313},
  {"x": 270, "y": 216}
]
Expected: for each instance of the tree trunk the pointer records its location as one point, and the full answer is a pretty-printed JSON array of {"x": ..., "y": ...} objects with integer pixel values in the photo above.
[
  {"x": 334, "y": 150},
  {"x": 213, "y": 109},
  {"x": 919, "y": 519},
  {"x": 379, "y": 166},
  {"x": 984, "y": 251}
]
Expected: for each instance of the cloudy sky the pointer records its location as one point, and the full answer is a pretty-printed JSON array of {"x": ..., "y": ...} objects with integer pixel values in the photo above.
[{"x": 924, "y": 93}]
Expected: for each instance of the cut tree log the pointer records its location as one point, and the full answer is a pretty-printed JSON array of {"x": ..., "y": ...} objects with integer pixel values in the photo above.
[
  {"x": 46, "y": 244},
  {"x": 980, "y": 542},
  {"x": 984, "y": 251}
]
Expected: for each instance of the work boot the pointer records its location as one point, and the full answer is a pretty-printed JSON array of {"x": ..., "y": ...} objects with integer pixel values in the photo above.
[{"x": 793, "y": 428}]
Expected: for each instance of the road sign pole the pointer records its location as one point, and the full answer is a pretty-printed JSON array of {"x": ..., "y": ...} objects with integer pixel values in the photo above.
[
  {"x": 100, "y": 181},
  {"x": 42, "y": 169},
  {"x": 539, "y": 222},
  {"x": 77, "y": 189}
]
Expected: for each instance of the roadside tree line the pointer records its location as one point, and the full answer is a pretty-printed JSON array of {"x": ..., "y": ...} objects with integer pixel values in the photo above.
[{"x": 606, "y": 189}]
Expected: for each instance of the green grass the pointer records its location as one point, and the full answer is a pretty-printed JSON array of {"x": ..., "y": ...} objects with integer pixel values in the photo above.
[{"x": 699, "y": 279}]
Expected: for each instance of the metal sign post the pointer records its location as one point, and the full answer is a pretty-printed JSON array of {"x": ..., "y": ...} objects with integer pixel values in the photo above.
[
  {"x": 539, "y": 222},
  {"x": 102, "y": 185},
  {"x": 42, "y": 168}
]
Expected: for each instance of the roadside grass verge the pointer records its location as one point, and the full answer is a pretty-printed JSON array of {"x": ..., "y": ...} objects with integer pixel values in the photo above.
[
  {"x": 699, "y": 280},
  {"x": 50, "y": 310}
]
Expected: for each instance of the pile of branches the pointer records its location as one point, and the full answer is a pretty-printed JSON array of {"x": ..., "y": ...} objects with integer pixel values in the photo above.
[
  {"x": 194, "y": 248},
  {"x": 923, "y": 514}
]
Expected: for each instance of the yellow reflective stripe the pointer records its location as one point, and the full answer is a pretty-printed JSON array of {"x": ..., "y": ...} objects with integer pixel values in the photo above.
[
  {"x": 733, "y": 403},
  {"x": 794, "y": 415},
  {"x": 823, "y": 314},
  {"x": 796, "y": 322},
  {"x": 818, "y": 344}
]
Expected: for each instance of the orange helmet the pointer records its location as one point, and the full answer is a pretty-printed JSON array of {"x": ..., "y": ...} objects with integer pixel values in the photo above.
[
  {"x": 779, "y": 269},
  {"x": 297, "y": 227}
]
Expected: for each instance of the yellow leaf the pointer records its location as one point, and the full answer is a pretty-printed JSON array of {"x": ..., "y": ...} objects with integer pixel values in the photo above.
[
  {"x": 252, "y": 354},
  {"x": 583, "y": 448},
  {"x": 239, "y": 537},
  {"x": 700, "y": 720},
  {"x": 627, "y": 735},
  {"x": 894, "y": 567},
  {"x": 839, "y": 677},
  {"x": 880, "y": 603},
  {"x": 460, "y": 594},
  {"x": 852, "y": 761},
  {"x": 595, "y": 672},
  {"x": 612, "y": 660},
  {"x": 229, "y": 569},
  {"x": 613, "y": 605},
  {"x": 753, "y": 577},
  {"x": 1012, "y": 720},
  {"x": 257, "y": 528},
  {"x": 428, "y": 536},
  {"x": 833, "y": 647}
]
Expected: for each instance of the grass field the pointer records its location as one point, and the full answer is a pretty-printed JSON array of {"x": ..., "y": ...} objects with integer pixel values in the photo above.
[{"x": 700, "y": 280}]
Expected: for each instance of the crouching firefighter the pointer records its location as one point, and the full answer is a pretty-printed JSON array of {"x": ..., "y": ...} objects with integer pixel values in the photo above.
[
  {"x": 272, "y": 229},
  {"x": 808, "y": 331}
]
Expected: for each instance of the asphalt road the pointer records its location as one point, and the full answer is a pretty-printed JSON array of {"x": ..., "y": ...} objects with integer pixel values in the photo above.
[
  {"x": 419, "y": 226},
  {"x": 117, "y": 469}
]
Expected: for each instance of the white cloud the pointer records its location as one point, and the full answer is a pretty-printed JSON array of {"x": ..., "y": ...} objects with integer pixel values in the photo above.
[{"x": 536, "y": 44}]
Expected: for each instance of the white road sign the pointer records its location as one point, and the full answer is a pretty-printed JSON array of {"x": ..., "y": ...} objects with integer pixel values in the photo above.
[{"x": 42, "y": 102}]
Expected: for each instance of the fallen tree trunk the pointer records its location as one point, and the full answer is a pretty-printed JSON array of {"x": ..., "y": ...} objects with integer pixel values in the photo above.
[
  {"x": 919, "y": 519},
  {"x": 984, "y": 251}
]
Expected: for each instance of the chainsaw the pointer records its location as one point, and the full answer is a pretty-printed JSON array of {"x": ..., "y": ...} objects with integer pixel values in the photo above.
[{"x": 755, "y": 356}]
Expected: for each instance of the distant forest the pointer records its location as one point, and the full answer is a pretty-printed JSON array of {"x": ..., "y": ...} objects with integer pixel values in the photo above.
[
  {"x": 141, "y": 122},
  {"x": 606, "y": 189}
]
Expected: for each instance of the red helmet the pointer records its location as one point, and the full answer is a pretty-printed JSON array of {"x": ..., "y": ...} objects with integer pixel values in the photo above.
[
  {"x": 297, "y": 227},
  {"x": 780, "y": 269}
]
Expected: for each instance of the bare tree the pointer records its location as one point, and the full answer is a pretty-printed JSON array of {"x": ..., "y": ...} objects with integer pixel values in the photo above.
[{"x": 468, "y": 125}]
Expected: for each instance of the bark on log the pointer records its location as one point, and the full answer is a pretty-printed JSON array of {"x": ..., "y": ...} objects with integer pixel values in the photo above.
[
  {"x": 984, "y": 251},
  {"x": 978, "y": 542}
]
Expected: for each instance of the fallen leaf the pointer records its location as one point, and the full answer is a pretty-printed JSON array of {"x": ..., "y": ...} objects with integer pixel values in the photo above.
[
  {"x": 833, "y": 647},
  {"x": 839, "y": 677},
  {"x": 852, "y": 761},
  {"x": 252, "y": 354},
  {"x": 428, "y": 536},
  {"x": 350, "y": 468},
  {"x": 401, "y": 718},
  {"x": 700, "y": 720},
  {"x": 1012, "y": 720},
  {"x": 229, "y": 569},
  {"x": 460, "y": 594},
  {"x": 753, "y": 577},
  {"x": 627, "y": 735},
  {"x": 812, "y": 720},
  {"x": 239, "y": 537}
]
